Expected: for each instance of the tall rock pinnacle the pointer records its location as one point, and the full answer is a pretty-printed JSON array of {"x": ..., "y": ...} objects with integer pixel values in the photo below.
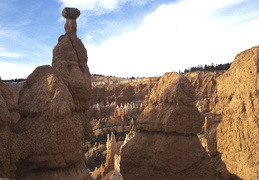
[
  {"x": 47, "y": 140},
  {"x": 70, "y": 59},
  {"x": 70, "y": 14}
]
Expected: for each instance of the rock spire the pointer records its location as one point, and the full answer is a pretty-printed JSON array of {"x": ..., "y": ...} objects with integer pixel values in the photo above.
[
  {"x": 47, "y": 140},
  {"x": 71, "y": 14}
]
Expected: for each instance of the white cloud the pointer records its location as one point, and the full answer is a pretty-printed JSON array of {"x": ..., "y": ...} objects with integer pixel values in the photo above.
[
  {"x": 106, "y": 5},
  {"x": 11, "y": 55},
  {"x": 10, "y": 70},
  {"x": 177, "y": 36},
  {"x": 6, "y": 54}
]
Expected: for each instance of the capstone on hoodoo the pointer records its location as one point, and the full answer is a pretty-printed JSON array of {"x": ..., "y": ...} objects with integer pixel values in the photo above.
[{"x": 47, "y": 140}]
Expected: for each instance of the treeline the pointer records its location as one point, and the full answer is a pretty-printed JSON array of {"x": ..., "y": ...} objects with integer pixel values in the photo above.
[
  {"x": 14, "y": 80},
  {"x": 100, "y": 75},
  {"x": 211, "y": 67}
]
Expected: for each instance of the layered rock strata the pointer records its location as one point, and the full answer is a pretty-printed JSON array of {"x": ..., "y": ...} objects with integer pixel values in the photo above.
[
  {"x": 204, "y": 83},
  {"x": 238, "y": 101},
  {"x": 166, "y": 146},
  {"x": 122, "y": 93}
]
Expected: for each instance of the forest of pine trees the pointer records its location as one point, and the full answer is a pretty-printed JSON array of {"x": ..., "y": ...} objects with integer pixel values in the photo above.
[{"x": 211, "y": 67}]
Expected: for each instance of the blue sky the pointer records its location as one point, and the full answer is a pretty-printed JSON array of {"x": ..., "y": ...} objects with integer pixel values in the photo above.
[{"x": 127, "y": 38}]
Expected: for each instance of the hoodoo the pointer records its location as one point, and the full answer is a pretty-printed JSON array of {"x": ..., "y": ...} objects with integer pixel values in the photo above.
[
  {"x": 47, "y": 141},
  {"x": 166, "y": 147}
]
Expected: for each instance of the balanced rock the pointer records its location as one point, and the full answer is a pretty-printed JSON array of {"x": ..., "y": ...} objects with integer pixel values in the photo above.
[
  {"x": 48, "y": 138},
  {"x": 70, "y": 60},
  {"x": 166, "y": 147},
  {"x": 238, "y": 101},
  {"x": 70, "y": 13}
]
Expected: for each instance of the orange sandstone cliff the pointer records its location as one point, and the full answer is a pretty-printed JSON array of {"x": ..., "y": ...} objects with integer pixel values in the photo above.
[
  {"x": 204, "y": 83},
  {"x": 238, "y": 102}
]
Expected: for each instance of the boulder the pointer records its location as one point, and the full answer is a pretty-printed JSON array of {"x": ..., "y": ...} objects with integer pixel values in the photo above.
[{"x": 70, "y": 13}]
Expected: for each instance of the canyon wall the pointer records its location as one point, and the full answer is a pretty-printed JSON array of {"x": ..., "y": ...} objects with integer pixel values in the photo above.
[
  {"x": 204, "y": 83},
  {"x": 238, "y": 101},
  {"x": 121, "y": 92}
]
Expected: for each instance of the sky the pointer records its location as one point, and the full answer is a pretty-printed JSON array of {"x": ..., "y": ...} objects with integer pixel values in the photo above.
[{"x": 126, "y": 38}]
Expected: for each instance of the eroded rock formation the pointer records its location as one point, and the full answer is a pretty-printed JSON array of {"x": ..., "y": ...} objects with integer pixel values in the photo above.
[
  {"x": 48, "y": 138},
  {"x": 204, "y": 83},
  {"x": 70, "y": 60},
  {"x": 8, "y": 116},
  {"x": 111, "y": 169},
  {"x": 112, "y": 149},
  {"x": 122, "y": 93},
  {"x": 166, "y": 147},
  {"x": 238, "y": 101}
]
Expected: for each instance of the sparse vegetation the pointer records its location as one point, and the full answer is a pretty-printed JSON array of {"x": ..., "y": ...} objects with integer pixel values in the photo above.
[{"x": 96, "y": 159}]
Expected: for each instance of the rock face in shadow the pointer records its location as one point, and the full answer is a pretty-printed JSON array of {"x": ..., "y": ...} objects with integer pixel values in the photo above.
[
  {"x": 166, "y": 147},
  {"x": 238, "y": 101},
  {"x": 8, "y": 116},
  {"x": 47, "y": 140}
]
